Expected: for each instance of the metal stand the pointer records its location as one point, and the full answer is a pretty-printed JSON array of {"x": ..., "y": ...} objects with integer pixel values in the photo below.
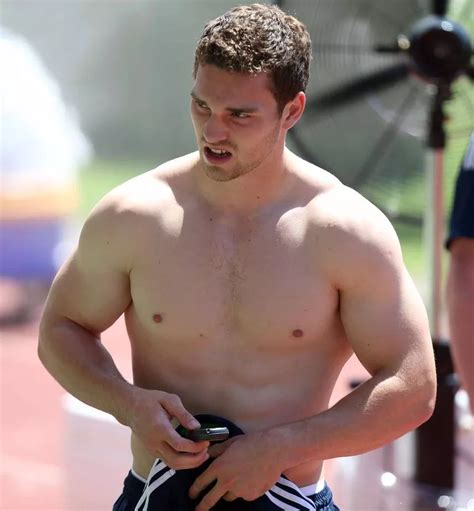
[{"x": 435, "y": 440}]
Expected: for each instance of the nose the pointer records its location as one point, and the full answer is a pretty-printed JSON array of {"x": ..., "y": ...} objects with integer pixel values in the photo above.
[{"x": 215, "y": 130}]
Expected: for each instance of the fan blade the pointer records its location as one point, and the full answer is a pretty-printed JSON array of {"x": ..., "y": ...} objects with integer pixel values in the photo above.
[
  {"x": 358, "y": 88},
  {"x": 387, "y": 48},
  {"x": 386, "y": 139},
  {"x": 440, "y": 7}
]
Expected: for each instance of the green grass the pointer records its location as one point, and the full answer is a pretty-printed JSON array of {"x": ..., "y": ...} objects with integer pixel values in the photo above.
[{"x": 99, "y": 177}]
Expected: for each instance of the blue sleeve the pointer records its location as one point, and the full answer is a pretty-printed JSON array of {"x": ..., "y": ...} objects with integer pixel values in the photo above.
[{"x": 462, "y": 213}]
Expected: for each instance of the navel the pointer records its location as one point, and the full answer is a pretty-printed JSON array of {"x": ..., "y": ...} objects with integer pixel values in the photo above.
[
  {"x": 297, "y": 333},
  {"x": 157, "y": 318}
]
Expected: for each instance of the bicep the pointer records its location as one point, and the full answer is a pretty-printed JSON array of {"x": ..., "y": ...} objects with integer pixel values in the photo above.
[
  {"x": 92, "y": 288},
  {"x": 382, "y": 312},
  {"x": 386, "y": 324},
  {"x": 94, "y": 300}
]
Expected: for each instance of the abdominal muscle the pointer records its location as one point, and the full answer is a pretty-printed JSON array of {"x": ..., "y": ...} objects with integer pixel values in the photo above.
[{"x": 258, "y": 392}]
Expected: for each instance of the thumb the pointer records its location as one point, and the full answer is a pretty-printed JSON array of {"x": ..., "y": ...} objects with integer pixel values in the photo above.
[
  {"x": 175, "y": 408},
  {"x": 217, "y": 450}
]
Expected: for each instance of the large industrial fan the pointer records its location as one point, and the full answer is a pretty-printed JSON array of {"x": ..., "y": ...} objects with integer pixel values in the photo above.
[
  {"x": 383, "y": 77},
  {"x": 390, "y": 80}
]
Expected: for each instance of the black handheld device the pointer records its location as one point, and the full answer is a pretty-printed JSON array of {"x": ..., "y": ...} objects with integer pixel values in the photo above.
[{"x": 205, "y": 432}]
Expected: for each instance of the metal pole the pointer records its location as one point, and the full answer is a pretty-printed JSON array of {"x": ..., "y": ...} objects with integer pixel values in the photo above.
[
  {"x": 438, "y": 242},
  {"x": 435, "y": 439}
]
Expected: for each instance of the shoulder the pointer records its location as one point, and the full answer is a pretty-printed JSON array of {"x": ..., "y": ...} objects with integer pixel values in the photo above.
[
  {"x": 344, "y": 211},
  {"x": 145, "y": 195},
  {"x": 352, "y": 235},
  {"x": 132, "y": 207},
  {"x": 338, "y": 213}
]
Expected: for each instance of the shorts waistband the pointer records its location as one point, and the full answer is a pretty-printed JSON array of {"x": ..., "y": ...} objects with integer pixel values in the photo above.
[
  {"x": 311, "y": 489},
  {"x": 323, "y": 498},
  {"x": 137, "y": 476}
]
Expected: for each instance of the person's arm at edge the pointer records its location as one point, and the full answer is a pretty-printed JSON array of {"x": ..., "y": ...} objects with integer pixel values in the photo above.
[{"x": 460, "y": 302}]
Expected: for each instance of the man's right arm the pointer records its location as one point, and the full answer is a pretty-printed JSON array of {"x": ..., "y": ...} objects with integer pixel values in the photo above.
[{"x": 89, "y": 293}]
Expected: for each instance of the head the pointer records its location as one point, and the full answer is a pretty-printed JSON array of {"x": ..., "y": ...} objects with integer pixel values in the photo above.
[
  {"x": 251, "y": 70},
  {"x": 259, "y": 39}
]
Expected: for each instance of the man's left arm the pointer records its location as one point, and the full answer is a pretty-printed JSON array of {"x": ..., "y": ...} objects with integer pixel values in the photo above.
[{"x": 386, "y": 323}]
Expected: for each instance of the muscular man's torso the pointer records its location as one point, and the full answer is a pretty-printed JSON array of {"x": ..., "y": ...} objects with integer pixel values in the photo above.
[{"x": 236, "y": 315}]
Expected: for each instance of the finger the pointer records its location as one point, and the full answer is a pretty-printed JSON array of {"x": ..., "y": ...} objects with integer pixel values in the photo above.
[
  {"x": 174, "y": 406},
  {"x": 181, "y": 444},
  {"x": 217, "y": 450},
  {"x": 211, "y": 498},
  {"x": 180, "y": 461},
  {"x": 202, "y": 482},
  {"x": 229, "y": 497},
  {"x": 178, "y": 442}
]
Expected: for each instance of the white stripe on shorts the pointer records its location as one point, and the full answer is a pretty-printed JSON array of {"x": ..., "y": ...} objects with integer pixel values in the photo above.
[
  {"x": 151, "y": 486},
  {"x": 280, "y": 504},
  {"x": 300, "y": 501}
]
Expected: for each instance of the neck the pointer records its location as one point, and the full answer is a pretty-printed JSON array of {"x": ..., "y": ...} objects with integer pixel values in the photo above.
[{"x": 250, "y": 193}]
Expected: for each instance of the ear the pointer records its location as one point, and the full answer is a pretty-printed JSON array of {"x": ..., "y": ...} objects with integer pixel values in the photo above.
[{"x": 293, "y": 110}]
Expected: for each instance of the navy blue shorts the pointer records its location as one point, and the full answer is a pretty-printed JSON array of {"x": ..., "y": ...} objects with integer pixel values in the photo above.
[{"x": 167, "y": 490}]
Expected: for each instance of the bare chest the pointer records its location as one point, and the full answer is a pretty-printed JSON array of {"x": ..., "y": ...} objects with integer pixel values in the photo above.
[{"x": 255, "y": 280}]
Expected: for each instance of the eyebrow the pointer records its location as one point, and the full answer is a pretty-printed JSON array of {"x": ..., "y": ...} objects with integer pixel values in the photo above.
[{"x": 245, "y": 109}]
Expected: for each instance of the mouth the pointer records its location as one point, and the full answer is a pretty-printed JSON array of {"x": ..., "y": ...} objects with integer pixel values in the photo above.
[{"x": 216, "y": 156}]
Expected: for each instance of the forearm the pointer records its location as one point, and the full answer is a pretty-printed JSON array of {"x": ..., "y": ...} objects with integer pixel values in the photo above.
[
  {"x": 377, "y": 412},
  {"x": 77, "y": 359}
]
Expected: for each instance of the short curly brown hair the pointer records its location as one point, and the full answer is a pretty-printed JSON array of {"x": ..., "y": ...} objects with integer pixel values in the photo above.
[{"x": 259, "y": 39}]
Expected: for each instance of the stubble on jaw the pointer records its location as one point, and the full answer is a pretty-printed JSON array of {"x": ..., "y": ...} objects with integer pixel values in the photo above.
[{"x": 222, "y": 175}]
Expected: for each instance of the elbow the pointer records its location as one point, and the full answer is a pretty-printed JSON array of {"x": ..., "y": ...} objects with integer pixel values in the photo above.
[
  {"x": 42, "y": 350},
  {"x": 44, "y": 341},
  {"x": 426, "y": 410},
  {"x": 425, "y": 402}
]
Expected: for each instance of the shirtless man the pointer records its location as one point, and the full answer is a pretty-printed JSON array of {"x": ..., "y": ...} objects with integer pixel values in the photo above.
[{"x": 247, "y": 277}]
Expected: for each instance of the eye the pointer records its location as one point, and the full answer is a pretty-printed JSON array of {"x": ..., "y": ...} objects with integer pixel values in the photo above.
[
  {"x": 201, "y": 105},
  {"x": 240, "y": 115}
]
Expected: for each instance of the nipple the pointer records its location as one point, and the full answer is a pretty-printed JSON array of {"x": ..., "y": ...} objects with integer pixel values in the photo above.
[
  {"x": 297, "y": 333},
  {"x": 157, "y": 318}
]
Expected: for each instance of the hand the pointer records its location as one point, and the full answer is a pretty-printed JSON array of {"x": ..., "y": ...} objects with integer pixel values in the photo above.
[
  {"x": 151, "y": 420},
  {"x": 246, "y": 466}
]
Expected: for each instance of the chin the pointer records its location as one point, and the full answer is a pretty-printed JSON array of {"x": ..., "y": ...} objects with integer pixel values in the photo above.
[{"x": 218, "y": 173}]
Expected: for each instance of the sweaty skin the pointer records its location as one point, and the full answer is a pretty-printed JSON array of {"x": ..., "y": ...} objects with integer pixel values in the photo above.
[{"x": 246, "y": 285}]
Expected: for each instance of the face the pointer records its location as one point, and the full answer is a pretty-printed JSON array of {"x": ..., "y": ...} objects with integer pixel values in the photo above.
[{"x": 236, "y": 122}]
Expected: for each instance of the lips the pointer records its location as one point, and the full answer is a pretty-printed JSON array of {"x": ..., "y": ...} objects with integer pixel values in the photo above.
[
  {"x": 217, "y": 155},
  {"x": 216, "y": 151}
]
